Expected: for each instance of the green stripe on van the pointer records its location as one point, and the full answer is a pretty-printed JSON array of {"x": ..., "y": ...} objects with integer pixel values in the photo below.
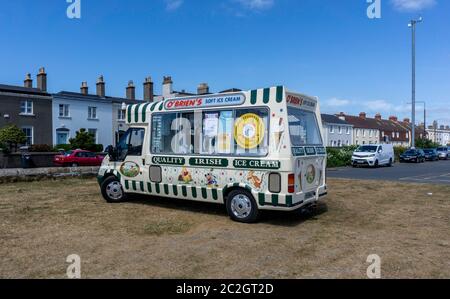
[
  {"x": 153, "y": 106},
  {"x": 158, "y": 188},
  {"x": 266, "y": 95},
  {"x": 149, "y": 187},
  {"x": 133, "y": 183},
  {"x": 142, "y": 186},
  {"x": 184, "y": 191},
  {"x": 262, "y": 199},
  {"x": 136, "y": 113},
  {"x": 275, "y": 200},
  {"x": 253, "y": 96},
  {"x": 175, "y": 190},
  {"x": 194, "y": 192},
  {"x": 144, "y": 112},
  {"x": 215, "y": 194},
  {"x": 127, "y": 185},
  {"x": 129, "y": 113},
  {"x": 166, "y": 189},
  {"x": 161, "y": 106},
  {"x": 289, "y": 200},
  {"x": 279, "y": 94},
  {"x": 204, "y": 193}
]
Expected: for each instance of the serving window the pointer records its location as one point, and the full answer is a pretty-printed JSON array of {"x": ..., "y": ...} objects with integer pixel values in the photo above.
[{"x": 241, "y": 132}]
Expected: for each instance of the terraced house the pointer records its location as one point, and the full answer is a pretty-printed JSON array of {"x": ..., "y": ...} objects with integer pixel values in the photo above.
[
  {"x": 365, "y": 130},
  {"x": 336, "y": 132},
  {"x": 28, "y": 108}
]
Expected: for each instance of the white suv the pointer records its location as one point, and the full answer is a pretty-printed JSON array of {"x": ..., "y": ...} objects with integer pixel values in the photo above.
[{"x": 373, "y": 155}]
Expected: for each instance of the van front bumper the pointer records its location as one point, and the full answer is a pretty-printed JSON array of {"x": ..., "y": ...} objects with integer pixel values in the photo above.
[{"x": 364, "y": 161}]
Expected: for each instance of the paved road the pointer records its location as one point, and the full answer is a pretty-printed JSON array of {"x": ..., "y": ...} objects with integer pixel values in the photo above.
[{"x": 429, "y": 172}]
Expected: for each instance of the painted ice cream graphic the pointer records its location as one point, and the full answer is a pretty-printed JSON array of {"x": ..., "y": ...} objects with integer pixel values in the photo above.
[
  {"x": 310, "y": 174},
  {"x": 130, "y": 169},
  {"x": 278, "y": 129}
]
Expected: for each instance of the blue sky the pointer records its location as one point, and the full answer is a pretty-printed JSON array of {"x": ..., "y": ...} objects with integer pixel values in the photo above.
[{"x": 327, "y": 48}]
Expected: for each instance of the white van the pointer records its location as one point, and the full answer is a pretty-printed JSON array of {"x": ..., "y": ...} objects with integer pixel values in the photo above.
[
  {"x": 373, "y": 155},
  {"x": 254, "y": 150}
]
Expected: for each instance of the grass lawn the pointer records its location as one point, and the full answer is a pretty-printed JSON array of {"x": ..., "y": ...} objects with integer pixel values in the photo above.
[{"x": 41, "y": 223}]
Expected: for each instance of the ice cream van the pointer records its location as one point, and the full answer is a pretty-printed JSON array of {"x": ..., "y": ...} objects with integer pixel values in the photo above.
[{"x": 253, "y": 150}]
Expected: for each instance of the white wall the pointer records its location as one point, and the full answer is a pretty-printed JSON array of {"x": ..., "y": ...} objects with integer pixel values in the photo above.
[{"x": 78, "y": 118}]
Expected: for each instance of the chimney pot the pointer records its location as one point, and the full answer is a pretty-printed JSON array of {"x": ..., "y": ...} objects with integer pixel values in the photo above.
[
  {"x": 167, "y": 86},
  {"x": 203, "y": 88},
  {"x": 131, "y": 91},
  {"x": 28, "y": 82},
  {"x": 101, "y": 91},
  {"x": 84, "y": 88},
  {"x": 148, "y": 90},
  {"x": 363, "y": 115},
  {"x": 393, "y": 118},
  {"x": 407, "y": 120},
  {"x": 378, "y": 116},
  {"x": 42, "y": 79}
]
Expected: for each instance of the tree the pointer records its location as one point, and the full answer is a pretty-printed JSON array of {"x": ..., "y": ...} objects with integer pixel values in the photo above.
[
  {"x": 420, "y": 143},
  {"x": 83, "y": 140},
  {"x": 12, "y": 136}
]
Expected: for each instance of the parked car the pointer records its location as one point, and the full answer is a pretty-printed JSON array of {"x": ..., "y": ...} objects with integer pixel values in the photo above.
[
  {"x": 443, "y": 152},
  {"x": 431, "y": 154},
  {"x": 78, "y": 158},
  {"x": 373, "y": 155},
  {"x": 413, "y": 155}
]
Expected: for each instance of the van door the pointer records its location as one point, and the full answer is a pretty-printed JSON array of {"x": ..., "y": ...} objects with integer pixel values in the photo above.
[
  {"x": 131, "y": 160},
  {"x": 308, "y": 172}
]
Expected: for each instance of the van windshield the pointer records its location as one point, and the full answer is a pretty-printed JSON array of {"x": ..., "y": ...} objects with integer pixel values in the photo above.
[
  {"x": 367, "y": 149},
  {"x": 303, "y": 127}
]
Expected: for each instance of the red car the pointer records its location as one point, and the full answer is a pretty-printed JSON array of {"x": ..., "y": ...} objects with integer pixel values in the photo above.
[{"x": 78, "y": 158}]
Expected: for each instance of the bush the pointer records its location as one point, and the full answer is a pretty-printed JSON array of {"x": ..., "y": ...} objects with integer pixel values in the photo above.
[
  {"x": 41, "y": 148},
  {"x": 398, "y": 150},
  {"x": 65, "y": 147},
  {"x": 12, "y": 136},
  {"x": 340, "y": 157}
]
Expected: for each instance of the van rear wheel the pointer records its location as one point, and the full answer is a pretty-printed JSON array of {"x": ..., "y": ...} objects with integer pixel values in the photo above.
[{"x": 242, "y": 207}]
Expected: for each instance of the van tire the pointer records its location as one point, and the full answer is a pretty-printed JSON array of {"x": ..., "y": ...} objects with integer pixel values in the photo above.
[
  {"x": 242, "y": 207},
  {"x": 390, "y": 163},
  {"x": 108, "y": 193},
  {"x": 377, "y": 164}
]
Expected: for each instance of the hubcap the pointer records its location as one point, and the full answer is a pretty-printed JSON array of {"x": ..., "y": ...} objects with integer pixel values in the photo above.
[
  {"x": 114, "y": 190},
  {"x": 241, "y": 206}
]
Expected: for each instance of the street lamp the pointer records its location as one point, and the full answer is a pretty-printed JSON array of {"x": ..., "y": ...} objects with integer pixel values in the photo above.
[{"x": 412, "y": 25}]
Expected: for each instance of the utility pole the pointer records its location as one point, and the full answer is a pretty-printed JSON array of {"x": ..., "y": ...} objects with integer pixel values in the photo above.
[{"x": 412, "y": 25}]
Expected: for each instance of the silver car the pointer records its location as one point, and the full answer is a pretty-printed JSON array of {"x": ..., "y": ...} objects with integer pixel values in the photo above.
[{"x": 443, "y": 152}]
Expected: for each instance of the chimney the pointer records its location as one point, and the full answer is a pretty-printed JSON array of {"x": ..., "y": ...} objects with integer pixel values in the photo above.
[
  {"x": 131, "y": 91},
  {"x": 84, "y": 88},
  {"x": 378, "y": 116},
  {"x": 393, "y": 118},
  {"x": 442, "y": 127},
  {"x": 407, "y": 120},
  {"x": 42, "y": 80},
  {"x": 341, "y": 116},
  {"x": 101, "y": 87},
  {"x": 447, "y": 127},
  {"x": 203, "y": 88},
  {"x": 362, "y": 115},
  {"x": 28, "y": 83},
  {"x": 148, "y": 90},
  {"x": 167, "y": 86}
]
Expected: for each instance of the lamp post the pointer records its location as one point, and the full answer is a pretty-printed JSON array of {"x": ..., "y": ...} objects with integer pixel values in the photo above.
[
  {"x": 412, "y": 25},
  {"x": 424, "y": 118}
]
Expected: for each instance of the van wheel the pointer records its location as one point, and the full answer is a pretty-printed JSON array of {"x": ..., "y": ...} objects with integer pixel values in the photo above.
[
  {"x": 112, "y": 190},
  {"x": 390, "y": 163},
  {"x": 242, "y": 207},
  {"x": 377, "y": 164}
]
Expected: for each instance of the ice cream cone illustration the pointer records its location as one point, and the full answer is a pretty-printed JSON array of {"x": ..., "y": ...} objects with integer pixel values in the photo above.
[{"x": 278, "y": 132}]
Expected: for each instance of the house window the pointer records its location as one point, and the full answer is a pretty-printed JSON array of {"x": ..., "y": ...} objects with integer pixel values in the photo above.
[
  {"x": 398, "y": 135},
  {"x": 393, "y": 134},
  {"x": 340, "y": 129},
  {"x": 64, "y": 110},
  {"x": 26, "y": 107},
  {"x": 357, "y": 133},
  {"x": 370, "y": 133},
  {"x": 364, "y": 133},
  {"x": 29, "y": 135},
  {"x": 331, "y": 129},
  {"x": 348, "y": 131},
  {"x": 92, "y": 112},
  {"x": 121, "y": 114},
  {"x": 93, "y": 132}
]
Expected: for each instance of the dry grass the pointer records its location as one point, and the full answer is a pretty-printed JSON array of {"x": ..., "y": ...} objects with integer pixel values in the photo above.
[{"x": 41, "y": 223}]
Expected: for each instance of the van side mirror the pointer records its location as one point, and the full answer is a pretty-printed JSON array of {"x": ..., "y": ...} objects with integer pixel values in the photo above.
[{"x": 112, "y": 153}]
